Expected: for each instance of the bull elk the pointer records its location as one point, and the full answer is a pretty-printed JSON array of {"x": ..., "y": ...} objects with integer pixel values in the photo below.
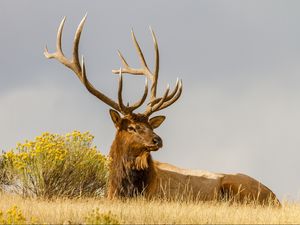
[{"x": 132, "y": 170}]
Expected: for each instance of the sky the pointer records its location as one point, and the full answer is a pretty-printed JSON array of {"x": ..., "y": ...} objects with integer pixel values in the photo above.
[{"x": 239, "y": 62}]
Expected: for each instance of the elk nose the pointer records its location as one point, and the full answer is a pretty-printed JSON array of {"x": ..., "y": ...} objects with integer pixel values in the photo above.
[{"x": 157, "y": 141}]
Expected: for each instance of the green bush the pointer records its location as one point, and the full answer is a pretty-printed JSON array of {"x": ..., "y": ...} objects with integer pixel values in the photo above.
[{"x": 58, "y": 166}]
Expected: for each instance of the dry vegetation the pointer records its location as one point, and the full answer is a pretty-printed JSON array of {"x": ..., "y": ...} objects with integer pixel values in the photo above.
[{"x": 139, "y": 211}]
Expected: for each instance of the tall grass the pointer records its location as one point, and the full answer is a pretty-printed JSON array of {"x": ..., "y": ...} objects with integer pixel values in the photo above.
[{"x": 140, "y": 211}]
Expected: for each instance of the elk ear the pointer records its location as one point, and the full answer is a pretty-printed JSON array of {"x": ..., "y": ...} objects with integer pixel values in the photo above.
[
  {"x": 156, "y": 121},
  {"x": 115, "y": 117}
]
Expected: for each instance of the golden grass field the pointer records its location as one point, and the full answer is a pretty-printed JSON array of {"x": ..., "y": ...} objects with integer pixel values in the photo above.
[{"x": 140, "y": 211}]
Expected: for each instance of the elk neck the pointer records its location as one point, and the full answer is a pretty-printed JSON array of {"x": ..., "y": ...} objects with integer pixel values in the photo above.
[{"x": 131, "y": 170}]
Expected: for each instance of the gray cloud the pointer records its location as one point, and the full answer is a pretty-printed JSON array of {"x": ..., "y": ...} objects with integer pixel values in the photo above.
[{"x": 239, "y": 61}]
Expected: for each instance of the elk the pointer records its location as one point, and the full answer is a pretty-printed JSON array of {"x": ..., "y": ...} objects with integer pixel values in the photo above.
[{"x": 133, "y": 172}]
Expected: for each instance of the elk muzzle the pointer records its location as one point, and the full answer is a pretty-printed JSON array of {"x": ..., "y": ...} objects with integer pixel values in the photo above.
[{"x": 157, "y": 143}]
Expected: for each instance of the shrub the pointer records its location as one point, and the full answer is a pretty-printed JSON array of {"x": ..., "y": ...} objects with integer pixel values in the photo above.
[
  {"x": 58, "y": 166},
  {"x": 96, "y": 217},
  {"x": 14, "y": 216}
]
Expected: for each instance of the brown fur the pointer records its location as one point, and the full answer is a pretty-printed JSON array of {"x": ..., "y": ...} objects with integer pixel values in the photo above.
[
  {"x": 133, "y": 172},
  {"x": 131, "y": 169}
]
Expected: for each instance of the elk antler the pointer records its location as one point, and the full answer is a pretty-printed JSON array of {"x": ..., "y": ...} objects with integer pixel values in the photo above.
[
  {"x": 155, "y": 103},
  {"x": 80, "y": 71}
]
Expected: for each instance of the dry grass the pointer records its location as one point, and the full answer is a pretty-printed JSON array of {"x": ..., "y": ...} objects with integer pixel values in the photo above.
[{"x": 140, "y": 211}]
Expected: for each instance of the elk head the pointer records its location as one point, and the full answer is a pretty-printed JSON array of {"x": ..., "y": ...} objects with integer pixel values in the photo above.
[
  {"x": 137, "y": 129},
  {"x": 133, "y": 130}
]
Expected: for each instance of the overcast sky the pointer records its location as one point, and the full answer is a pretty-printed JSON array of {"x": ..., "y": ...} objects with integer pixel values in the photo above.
[{"x": 239, "y": 62}]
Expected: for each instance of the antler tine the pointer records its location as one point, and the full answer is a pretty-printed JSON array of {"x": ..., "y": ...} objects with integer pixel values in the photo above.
[
  {"x": 59, "y": 53},
  {"x": 141, "y": 56},
  {"x": 165, "y": 101},
  {"x": 128, "y": 109},
  {"x": 127, "y": 68},
  {"x": 75, "y": 57},
  {"x": 156, "y": 68},
  {"x": 125, "y": 64},
  {"x": 120, "y": 99},
  {"x": 169, "y": 102},
  {"x": 154, "y": 108},
  {"x": 142, "y": 100},
  {"x": 59, "y": 36},
  {"x": 169, "y": 96},
  {"x": 135, "y": 71}
]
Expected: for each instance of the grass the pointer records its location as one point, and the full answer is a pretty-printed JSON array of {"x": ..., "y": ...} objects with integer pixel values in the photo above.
[{"x": 140, "y": 211}]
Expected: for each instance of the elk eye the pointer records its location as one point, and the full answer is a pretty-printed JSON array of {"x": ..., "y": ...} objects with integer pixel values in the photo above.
[{"x": 131, "y": 128}]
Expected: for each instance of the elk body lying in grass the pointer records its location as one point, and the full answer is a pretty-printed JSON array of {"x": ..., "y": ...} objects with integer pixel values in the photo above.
[{"x": 133, "y": 172}]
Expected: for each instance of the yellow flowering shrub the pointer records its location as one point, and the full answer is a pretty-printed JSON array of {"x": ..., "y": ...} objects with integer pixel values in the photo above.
[
  {"x": 58, "y": 166},
  {"x": 14, "y": 216}
]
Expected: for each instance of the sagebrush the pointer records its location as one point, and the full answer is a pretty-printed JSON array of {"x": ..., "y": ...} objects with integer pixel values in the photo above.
[{"x": 56, "y": 165}]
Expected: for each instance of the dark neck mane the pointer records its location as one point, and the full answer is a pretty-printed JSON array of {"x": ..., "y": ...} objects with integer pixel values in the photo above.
[{"x": 129, "y": 175}]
